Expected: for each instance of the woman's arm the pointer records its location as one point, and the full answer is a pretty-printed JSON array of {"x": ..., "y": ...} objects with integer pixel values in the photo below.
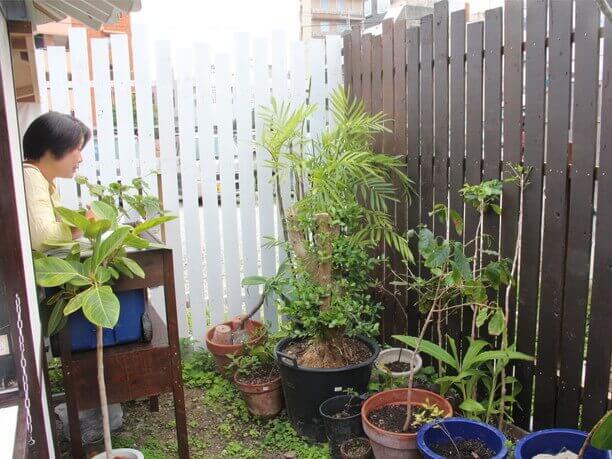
[{"x": 41, "y": 216}]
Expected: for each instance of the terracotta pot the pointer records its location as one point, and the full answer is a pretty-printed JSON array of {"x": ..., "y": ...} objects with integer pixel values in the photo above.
[
  {"x": 128, "y": 453},
  {"x": 392, "y": 445},
  {"x": 345, "y": 455},
  {"x": 263, "y": 400},
  {"x": 221, "y": 352}
]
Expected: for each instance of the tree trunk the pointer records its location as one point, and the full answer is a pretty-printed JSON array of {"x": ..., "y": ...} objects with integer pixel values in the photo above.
[{"x": 108, "y": 447}]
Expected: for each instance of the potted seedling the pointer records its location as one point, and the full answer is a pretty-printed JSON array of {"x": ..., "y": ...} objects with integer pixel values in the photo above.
[
  {"x": 341, "y": 416},
  {"x": 258, "y": 379},
  {"x": 342, "y": 189},
  {"x": 85, "y": 281},
  {"x": 356, "y": 448}
]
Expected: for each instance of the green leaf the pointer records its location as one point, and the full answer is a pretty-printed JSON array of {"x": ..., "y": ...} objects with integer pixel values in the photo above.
[
  {"x": 98, "y": 227},
  {"x": 103, "y": 275},
  {"x": 55, "y": 319},
  {"x": 496, "y": 323},
  {"x": 429, "y": 348},
  {"x": 75, "y": 303},
  {"x": 52, "y": 271},
  {"x": 472, "y": 352},
  {"x": 72, "y": 218},
  {"x": 101, "y": 306},
  {"x": 144, "y": 226},
  {"x": 133, "y": 267},
  {"x": 137, "y": 242},
  {"x": 254, "y": 280},
  {"x": 104, "y": 211},
  {"x": 602, "y": 435},
  {"x": 471, "y": 406},
  {"x": 481, "y": 317},
  {"x": 109, "y": 245},
  {"x": 123, "y": 269}
]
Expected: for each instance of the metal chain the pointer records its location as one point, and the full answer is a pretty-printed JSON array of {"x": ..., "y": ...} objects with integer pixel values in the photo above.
[{"x": 24, "y": 373}]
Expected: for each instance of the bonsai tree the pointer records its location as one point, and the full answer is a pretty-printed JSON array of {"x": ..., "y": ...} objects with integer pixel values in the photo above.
[
  {"x": 343, "y": 190},
  {"x": 85, "y": 278}
]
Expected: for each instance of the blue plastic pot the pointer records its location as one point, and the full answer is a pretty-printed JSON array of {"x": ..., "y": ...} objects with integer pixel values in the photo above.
[
  {"x": 552, "y": 441},
  {"x": 460, "y": 429}
]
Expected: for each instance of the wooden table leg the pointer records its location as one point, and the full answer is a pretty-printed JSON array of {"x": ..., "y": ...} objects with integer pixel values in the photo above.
[{"x": 72, "y": 403}]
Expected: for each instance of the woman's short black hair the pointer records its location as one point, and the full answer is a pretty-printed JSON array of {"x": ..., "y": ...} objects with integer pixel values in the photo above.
[{"x": 56, "y": 132}]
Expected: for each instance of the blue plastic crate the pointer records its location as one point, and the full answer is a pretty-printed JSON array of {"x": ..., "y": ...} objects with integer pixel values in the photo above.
[{"x": 127, "y": 330}]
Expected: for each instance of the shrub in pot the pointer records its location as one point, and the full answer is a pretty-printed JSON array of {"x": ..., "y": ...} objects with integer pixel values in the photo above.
[
  {"x": 257, "y": 377},
  {"x": 342, "y": 189},
  {"x": 85, "y": 279}
]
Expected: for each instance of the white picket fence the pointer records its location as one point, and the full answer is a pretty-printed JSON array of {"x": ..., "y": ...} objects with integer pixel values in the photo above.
[{"x": 198, "y": 97}]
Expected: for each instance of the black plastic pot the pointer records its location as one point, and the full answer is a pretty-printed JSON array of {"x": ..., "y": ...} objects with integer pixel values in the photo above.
[
  {"x": 306, "y": 388},
  {"x": 338, "y": 430}
]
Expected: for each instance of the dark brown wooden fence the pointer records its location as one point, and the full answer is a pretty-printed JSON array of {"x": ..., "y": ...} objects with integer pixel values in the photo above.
[{"x": 531, "y": 83}]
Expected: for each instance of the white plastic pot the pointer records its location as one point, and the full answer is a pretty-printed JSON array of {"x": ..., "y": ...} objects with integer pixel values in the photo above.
[
  {"x": 392, "y": 354},
  {"x": 122, "y": 452}
]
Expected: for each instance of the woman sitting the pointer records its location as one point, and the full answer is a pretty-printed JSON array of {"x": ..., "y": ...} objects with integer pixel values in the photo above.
[{"x": 52, "y": 147}]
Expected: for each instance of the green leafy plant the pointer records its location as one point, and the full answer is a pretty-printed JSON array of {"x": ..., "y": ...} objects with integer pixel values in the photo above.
[
  {"x": 85, "y": 279},
  {"x": 600, "y": 435},
  {"x": 343, "y": 191},
  {"x": 260, "y": 357}
]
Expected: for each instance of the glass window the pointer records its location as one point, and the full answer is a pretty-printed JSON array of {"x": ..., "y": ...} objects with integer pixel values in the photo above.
[
  {"x": 324, "y": 27},
  {"x": 367, "y": 8},
  {"x": 340, "y": 6},
  {"x": 383, "y": 5},
  {"x": 324, "y": 5}
]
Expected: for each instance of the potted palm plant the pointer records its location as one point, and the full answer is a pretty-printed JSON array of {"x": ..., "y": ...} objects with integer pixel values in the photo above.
[
  {"x": 342, "y": 190},
  {"x": 85, "y": 280}
]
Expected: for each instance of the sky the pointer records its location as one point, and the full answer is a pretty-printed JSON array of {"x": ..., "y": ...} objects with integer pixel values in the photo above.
[{"x": 215, "y": 22}]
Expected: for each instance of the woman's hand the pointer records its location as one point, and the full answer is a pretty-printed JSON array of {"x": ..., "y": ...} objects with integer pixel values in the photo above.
[{"x": 76, "y": 232}]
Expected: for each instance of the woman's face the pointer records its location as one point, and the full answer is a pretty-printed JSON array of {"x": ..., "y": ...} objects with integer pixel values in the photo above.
[{"x": 67, "y": 166}]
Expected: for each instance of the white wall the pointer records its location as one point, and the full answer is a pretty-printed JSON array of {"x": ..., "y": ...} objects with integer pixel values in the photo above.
[{"x": 15, "y": 141}]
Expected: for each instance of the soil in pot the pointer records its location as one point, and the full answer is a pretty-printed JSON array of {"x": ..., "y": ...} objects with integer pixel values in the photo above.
[
  {"x": 398, "y": 366},
  {"x": 392, "y": 417},
  {"x": 260, "y": 375},
  {"x": 468, "y": 449},
  {"x": 340, "y": 352},
  {"x": 356, "y": 448}
]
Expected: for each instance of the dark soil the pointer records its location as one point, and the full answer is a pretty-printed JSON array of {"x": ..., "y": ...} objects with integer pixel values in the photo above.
[
  {"x": 261, "y": 375},
  {"x": 398, "y": 366},
  {"x": 349, "y": 410},
  {"x": 317, "y": 354},
  {"x": 392, "y": 417},
  {"x": 469, "y": 449},
  {"x": 356, "y": 447}
]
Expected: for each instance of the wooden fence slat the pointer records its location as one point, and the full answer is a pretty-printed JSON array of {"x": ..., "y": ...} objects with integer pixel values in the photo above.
[
  {"x": 535, "y": 68},
  {"x": 413, "y": 129},
  {"x": 441, "y": 125},
  {"x": 122, "y": 84},
  {"x": 366, "y": 61},
  {"x": 264, "y": 187},
  {"x": 208, "y": 178},
  {"x": 167, "y": 151},
  {"x": 104, "y": 110},
  {"x": 317, "y": 86},
  {"x": 554, "y": 230},
  {"x": 244, "y": 138},
  {"x": 347, "y": 63},
  {"x": 600, "y": 346},
  {"x": 584, "y": 137},
  {"x": 189, "y": 191},
  {"x": 377, "y": 84},
  {"x": 280, "y": 91},
  {"x": 144, "y": 108},
  {"x": 399, "y": 143},
  {"x": 427, "y": 131},
  {"x": 512, "y": 120},
  {"x": 492, "y": 124},
  {"x": 388, "y": 321},
  {"x": 457, "y": 138},
  {"x": 356, "y": 59},
  {"x": 81, "y": 96},
  {"x": 227, "y": 173},
  {"x": 60, "y": 102},
  {"x": 473, "y": 139}
]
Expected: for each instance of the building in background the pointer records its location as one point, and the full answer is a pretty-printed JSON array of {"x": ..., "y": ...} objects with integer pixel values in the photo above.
[
  {"x": 375, "y": 11},
  {"x": 319, "y": 18}
]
